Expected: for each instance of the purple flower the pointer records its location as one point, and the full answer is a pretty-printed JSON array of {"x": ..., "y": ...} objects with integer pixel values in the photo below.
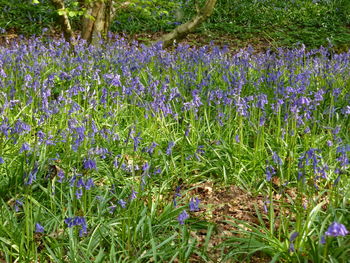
[
  {"x": 20, "y": 128},
  {"x": 80, "y": 183},
  {"x": 293, "y": 236},
  {"x": 336, "y": 229},
  {"x": 77, "y": 221},
  {"x": 307, "y": 130},
  {"x": 145, "y": 167},
  {"x": 79, "y": 193},
  {"x": 276, "y": 159},
  {"x": 346, "y": 110},
  {"x": 133, "y": 194},
  {"x": 122, "y": 203},
  {"x": 60, "y": 175},
  {"x": 177, "y": 194},
  {"x": 187, "y": 132},
  {"x": 89, "y": 184},
  {"x": 262, "y": 121},
  {"x": 266, "y": 202},
  {"x": 90, "y": 164},
  {"x": 157, "y": 171},
  {"x": 291, "y": 247},
  {"x": 150, "y": 149},
  {"x": 137, "y": 139},
  {"x": 270, "y": 171},
  {"x": 39, "y": 228},
  {"x": 25, "y": 147},
  {"x": 200, "y": 149},
  {"x": 112, "y": 209},
  {"x": 237, "y": 138},
  {"x": 1, "y": 160},
  {"x": 336, "y": 181},
  {"x": 18, "y": 204},
  {"x": 182, "y": 217},
  {"x": 32, "y": 176},
  {"x": 170, "y": 147},
  {"x": 262, "y": 100},
  {"x": 336, "y": 130},
  {"x": 194, "y": 204}
]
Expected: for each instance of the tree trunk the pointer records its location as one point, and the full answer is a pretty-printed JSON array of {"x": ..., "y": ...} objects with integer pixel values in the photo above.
[
  {"x": 183, "y": 30},
  {"x": 97, "y": 20},
  {"x": 99, "y": 13},
  {"x": 64, "y": 20}
]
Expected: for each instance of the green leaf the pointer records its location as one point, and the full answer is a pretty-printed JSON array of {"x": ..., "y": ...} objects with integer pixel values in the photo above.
[
  {"x": 35, "y": 2},
  {"x": 72, "y": 13},
  {"x": 61, "y": 12}
]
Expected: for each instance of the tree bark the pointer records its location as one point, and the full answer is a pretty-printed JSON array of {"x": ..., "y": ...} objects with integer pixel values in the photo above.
[
  {"x": 96, "y": 22},
  {"x": 64, "y": 20},
  {"x": 183, "y": 30}
]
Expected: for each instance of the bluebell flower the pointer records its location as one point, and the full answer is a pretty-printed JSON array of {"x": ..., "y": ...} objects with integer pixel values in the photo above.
[
  {"x": 291, "y": 247},
  {"x": 145, "y": 167},
  {"x": 18, "y": 204},
  {"x": 25, "y": 147},
  {"x": 276, "y": 159},
  {"x": 187, "y": 132},
  {"x": 20, "y": 127},
  {"x": 336, "y": 130},
  {"x": 79, "y": 136},
  {"x": 336, "y": 229},
  {"x": 182, "y": 217},
  {"x": 237, "y": 139},
  {"x": 133, "y": 194},
  {"x": 60, "y": 175},
  {"x": 80, "y": 183},
  {"x": 200, "y": 149},
  {"x": 32, "y": 176},
  {"x": 157, "y": 171},
  {"x": 177, "y": 194},
  {"x": 194, "y": 204},
  {"x": 336, "y": 181},
  {"x": 346, "y": 110},
  {"x": 262, "y": 101},
  {"x": 111, "y": 209},
  {"x": 90, "y": 164},
  {"x": 77, "y": 221},
  {"x": 150, "y": 149},
  {"x": 122, "y": 203},
  {"x": 169, "y": 150},
  {"x": 137, "y": 140},
  {"x": 89, "y": 184},
  {"x": 293, "y": 236},
  {"x": 270, "y": 171},
  {"x": 262, "y": 121},
  {"x": 1, "y": 160},
  {"x": 79, "y": 193},
  {"x": 39, "y": 228}
]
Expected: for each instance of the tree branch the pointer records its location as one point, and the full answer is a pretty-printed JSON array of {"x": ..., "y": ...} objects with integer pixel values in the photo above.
[
  {"x": 183, "y": 30},
  {"x": 64, "y": 20}
]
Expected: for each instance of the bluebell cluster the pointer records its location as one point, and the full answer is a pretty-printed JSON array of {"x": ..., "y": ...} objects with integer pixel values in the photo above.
[{"x": 88, "y": 106}]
